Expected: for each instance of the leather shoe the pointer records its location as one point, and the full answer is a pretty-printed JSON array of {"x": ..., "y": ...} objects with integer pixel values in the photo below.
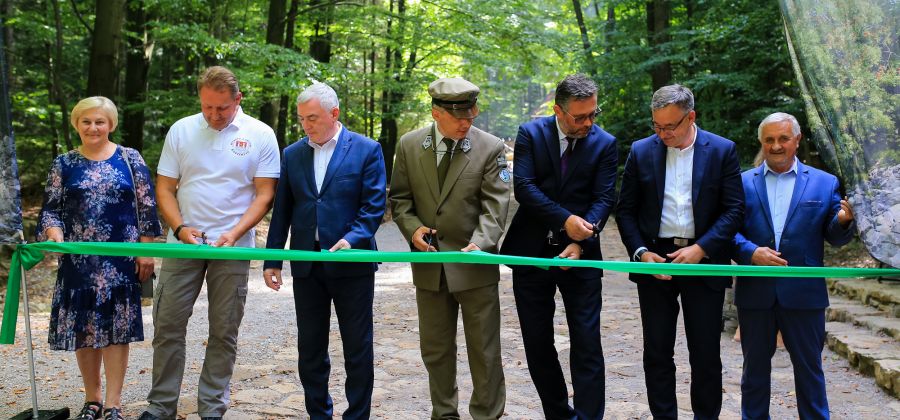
[
  {"x": 147, "y": 416},
  {"x": 210, "y": 418}
]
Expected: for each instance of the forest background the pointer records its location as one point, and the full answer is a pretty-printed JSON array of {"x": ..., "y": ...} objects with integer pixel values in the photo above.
[{"x": 380, "y": 55}]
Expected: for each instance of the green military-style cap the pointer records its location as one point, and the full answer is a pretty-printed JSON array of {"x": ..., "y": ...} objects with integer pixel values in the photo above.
[{"x": 458, "y": 96}]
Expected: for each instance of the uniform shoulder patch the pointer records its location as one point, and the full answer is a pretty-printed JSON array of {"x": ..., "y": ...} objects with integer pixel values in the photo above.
[{"x": 504, "y": 175}]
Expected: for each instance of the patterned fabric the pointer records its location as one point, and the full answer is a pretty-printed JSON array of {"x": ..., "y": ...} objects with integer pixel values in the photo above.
[{"x": 97, "y": 301}]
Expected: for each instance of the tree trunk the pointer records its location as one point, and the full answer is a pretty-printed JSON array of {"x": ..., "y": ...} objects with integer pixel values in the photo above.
[
  {"x": 56, "y": 69},
  {"x": 285, "y": 115},
  {"x": 8, "y": 43},
  {"x": 585, "y": 41},
  {"x": 274, "y": 36},
  {"x": 103, "y": 73},
  {"x": 658, "y": 14},
  {"x": 610, "y": 26},
  {"x": 217, "y": 14},
  {"x": 320, "y": 42},
  {"x": 54, "y": 148},
  {"x": 137, "y": 66}
]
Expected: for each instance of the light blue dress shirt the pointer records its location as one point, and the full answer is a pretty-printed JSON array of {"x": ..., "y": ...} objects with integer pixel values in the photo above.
[{"x": 779, "y": 190}]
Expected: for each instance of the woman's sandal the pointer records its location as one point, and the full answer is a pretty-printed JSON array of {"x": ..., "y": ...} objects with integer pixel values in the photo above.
[
  {"x": 90, "y": 411},
  {"x": 114, "y": 413}
]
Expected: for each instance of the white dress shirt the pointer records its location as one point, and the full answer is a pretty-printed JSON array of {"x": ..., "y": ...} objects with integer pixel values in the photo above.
[
  {"x": 677, "y": 209},
  {"x": 563, "y": 140},
  {"x": 321, "y": 157},
  {"x": 779, "y": 190}
]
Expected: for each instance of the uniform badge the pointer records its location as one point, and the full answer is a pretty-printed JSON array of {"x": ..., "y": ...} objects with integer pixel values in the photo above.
[
  {"x": 427, "y": 143},
  {"x": 504, "y": 175},
  {"x": 241, "y": 146},
  {"x": 501, "y": 161},
  {"x": 466, "y": 146}
]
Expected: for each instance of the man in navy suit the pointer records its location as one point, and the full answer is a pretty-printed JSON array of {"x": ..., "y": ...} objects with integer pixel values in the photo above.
[
  {"x": 792, "y": 209},
  {"x": 681, "y": 202},
  {"x": 564, "y": 180},
  {"x": 331, "y": 196}
]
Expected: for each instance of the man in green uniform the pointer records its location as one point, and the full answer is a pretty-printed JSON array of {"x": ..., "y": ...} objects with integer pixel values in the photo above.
[{"x": 450, "y": 192}]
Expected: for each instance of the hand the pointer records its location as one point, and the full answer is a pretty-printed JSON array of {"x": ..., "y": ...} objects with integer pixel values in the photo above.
[
  {"x": 471, "y": 247},
  {"x": 227, "y": 239},
  {"x": 272, "y": 276},
  {"x": 687, "y": 255},
  {"x": 572, "y": 252},
  {"x": 845, "y": 214},
  {"x": 54, "y": 234},
  {"x": 418, "y": 239},
  {"x": 578, "y": 229},
  {"x": 143, "y": 267},
  {"x": 652, "y": 257},
  {"x": 767, "y": 256},
  {"x": 341, "y": 244},
  {"x": 191, "y": 235}
]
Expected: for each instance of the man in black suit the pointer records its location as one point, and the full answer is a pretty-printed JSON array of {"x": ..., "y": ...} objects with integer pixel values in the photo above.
[
  {"x": 681, "y": 201},
  {"x": 564, "y": 180}
]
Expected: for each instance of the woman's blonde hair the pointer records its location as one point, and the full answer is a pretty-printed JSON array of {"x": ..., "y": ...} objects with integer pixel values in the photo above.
[{"x": 96, "y": 102}]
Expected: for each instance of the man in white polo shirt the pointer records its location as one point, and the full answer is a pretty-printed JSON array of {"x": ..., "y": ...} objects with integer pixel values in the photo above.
[{"x": 216, "y": 180}]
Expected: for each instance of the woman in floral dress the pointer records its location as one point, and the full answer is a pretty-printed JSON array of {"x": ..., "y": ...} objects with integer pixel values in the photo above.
[{"x": 100, "y": 192}]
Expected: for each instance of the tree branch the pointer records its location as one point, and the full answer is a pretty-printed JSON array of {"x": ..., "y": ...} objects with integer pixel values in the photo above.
[{"x": 81, "y": 19}]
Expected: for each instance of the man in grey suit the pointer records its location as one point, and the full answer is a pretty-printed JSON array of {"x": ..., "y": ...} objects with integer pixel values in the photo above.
[{"x": 450, "y": 192}]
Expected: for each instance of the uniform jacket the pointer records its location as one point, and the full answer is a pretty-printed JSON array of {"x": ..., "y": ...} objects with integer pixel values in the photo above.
[
  {"x": 350, "y": 205},
  {"x": 811, "y": 220},
  {"x": 471, "y": 208}
]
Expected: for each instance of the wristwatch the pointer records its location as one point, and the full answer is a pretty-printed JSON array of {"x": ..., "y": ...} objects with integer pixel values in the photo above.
[
  {"x": 178, "y": 230},
  {"x": 639, "y": 253}
]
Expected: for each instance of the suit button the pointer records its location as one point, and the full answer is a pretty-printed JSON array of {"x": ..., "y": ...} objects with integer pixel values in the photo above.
[{"x": 318, "y": 200}]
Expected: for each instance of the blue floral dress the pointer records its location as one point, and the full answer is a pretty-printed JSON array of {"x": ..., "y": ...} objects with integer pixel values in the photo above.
[{"x": 97, "y": 301}]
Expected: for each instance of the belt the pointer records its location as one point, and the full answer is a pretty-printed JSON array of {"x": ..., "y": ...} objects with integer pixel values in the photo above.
[{"x": 676, "y": 241}]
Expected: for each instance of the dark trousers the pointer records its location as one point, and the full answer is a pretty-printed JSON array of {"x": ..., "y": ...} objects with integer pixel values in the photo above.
[
  {"x": 703, "y": 327},
  {"x": 535, "y": 292},
  {"x": 803, "y": 331},
  {"x": 352, "y": 297}
]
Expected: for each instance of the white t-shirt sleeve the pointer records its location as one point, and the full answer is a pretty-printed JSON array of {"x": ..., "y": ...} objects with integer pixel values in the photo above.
[
  {"x": 269, "y": 158},
  {"x": 168, "y": 159}
]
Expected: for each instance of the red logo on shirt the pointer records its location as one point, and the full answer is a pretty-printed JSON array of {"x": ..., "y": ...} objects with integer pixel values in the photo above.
[{"x": 240, "y": 147}]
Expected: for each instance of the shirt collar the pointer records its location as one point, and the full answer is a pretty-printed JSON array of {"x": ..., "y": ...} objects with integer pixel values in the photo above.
[
  {"x": 690, "y": 146},
  {"x": 767, "y": 169},
  {"x": 332, "y": 142},
  {"x": 441, "y": 136},
  {"x": 236, "y": 121}
]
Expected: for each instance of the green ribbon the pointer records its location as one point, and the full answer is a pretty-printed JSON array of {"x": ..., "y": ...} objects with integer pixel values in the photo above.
[{"x": 30, "y": 254}]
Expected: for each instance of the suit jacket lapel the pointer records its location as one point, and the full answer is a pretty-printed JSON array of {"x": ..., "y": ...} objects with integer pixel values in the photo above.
[
  {"x": 659, "y": 165},
  {"x": 307, "y": 164},
  {"x": 701, "y": 158},
  {"x": 551, "y": 142},
  {"x": 458, "y": 162},
  {"x": 428, "y": 163},
  {"x": 576, "y": 158},
  {"x": 340, "y": 152},
  {"x": 799, "y": 188},
  {"x": 759, "y": 183}
]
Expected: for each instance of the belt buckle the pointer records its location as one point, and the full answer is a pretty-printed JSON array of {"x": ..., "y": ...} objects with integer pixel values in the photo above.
[{"x": 681, "y": 242}]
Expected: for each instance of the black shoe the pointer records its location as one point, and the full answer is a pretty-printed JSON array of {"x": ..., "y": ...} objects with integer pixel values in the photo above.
[
  {"x": 210, "y": 418},
  {"x": 114, "y": 413},
  {"x": 147, "y": 416},
  {"x": 90, "y": 411}
]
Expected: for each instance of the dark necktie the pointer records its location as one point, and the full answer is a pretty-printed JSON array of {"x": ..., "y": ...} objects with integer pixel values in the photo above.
[
  {"x": 564, "y": 159},
  {"x": 444, "y": 166}
]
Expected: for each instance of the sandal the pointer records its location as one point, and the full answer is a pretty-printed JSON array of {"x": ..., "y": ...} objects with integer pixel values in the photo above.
[
  {"x": 114, "y": 413},
  {"x": 90, "y": 411}
]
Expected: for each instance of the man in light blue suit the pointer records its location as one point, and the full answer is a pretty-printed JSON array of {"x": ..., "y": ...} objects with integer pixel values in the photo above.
[
  {"x": 792, "y": 209},
  {"x": 331, "y": 195}
]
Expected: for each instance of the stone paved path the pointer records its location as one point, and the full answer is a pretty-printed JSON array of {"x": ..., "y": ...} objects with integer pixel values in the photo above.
[{"x": 266, "y": 386}]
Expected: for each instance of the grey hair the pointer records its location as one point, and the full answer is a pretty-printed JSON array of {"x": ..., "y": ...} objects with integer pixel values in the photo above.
[
  {"x": 777, "y": 118},
  {"x": 325, "y": 94},
  {"x": 673, "y": 94},
  {"x": 578, "y": 86}
]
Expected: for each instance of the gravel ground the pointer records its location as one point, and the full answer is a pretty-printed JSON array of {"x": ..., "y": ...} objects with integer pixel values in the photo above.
[{"x": 265, "y": 383}]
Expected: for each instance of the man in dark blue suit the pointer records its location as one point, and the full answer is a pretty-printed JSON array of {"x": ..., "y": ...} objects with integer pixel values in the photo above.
[
  {"x": 792, "y": 209},
  {"x": 565, "y": 176},
  {"x": 681, "y": 202},
  {"x": 331, "y": 195}
]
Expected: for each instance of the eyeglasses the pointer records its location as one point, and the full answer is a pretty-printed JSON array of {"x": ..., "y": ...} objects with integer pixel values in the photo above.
[
  {"x": 582, "y": 118},
  {"x": 668, "y": 129}
]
